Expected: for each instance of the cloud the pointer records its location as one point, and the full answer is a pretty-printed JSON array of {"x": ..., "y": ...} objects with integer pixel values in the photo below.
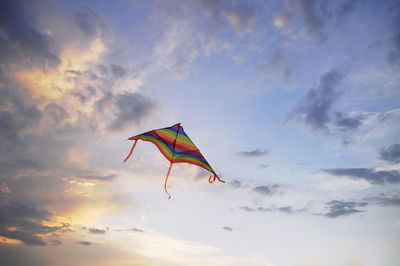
[
  {"x": 253, "y": 153},
  {"x": 284, "y": 209},
  {"x": 267, "y": 190},
  {"x": 263, "y": 165},
  {"x": 22, "y": 40},
  {"x": 393, "y": 56},
  {"x": 342, "y": 208},
  {"x": 314, "y": 110},
  {"x": 391, "y": 153},
  {"x": 313, "y": 22},
  {"x": 227, "y": 228},
  {"x": 84, "y": 243},
  {"x": 118, "y": 71},
  {"x": 56, "y": 113},
  {"x": 22, "y": 221},
  {"x": 387, "y": 199},
  {"x": 367, "y": 174},
  {"x": 55, "y": 242},
  {"x": 91, "y": 23},
  {"x": 198, "y": 28},
  {"x": 97, "y": 231},
  {"x": 317, "y": 14},
  {"x": 236, "y": 183},
  {"x": 130, "y": 108},
  {"x": 273, "y": 64},
  {"x": 129, "y": 230},
  {"x": 110, "y": 177},
  {"x": 344, "y": 122},
  {"x": 282, "y": 20},
  {"x": 242, "y": 16},
  {"x": 124, "y": 109},
  {"x": 16, "y": 116}
]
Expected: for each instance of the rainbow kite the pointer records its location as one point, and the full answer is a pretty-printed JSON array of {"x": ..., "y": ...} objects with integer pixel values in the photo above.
[{"x": 176, "y": 146}]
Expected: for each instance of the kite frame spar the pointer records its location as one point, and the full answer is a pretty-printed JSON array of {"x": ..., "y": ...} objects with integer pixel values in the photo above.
[{"x": 166, "y": 140}]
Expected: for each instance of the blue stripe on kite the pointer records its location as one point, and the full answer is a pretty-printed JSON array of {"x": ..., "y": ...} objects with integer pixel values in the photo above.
[
  {"x": 191, "y": 154},
  {"x": 169, "y": 146}
]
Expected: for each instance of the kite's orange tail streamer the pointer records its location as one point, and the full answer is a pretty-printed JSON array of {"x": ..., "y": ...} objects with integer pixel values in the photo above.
[
  {"x": 211, "y": 179},
  {"x": 130, "y": 153},
  {"x": 166, "y": 179}
]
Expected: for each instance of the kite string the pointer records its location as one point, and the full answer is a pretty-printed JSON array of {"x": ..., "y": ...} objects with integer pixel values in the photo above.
[
  {"x": 130, "y": 153},
  {"x": 166, "y": 179}
]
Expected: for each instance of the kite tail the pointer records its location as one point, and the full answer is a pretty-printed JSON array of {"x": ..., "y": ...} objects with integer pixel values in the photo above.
[
  {"x": 130, "y": 153},
  {"x": 166, "y": 179},
  {"x": 211, "y": 179}
]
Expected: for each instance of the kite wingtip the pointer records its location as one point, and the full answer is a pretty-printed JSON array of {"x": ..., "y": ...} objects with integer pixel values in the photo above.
[{"x": 211, "y": 179}]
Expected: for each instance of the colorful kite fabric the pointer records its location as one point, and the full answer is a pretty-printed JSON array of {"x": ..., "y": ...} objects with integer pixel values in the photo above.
[{"x": 176, "y": 146}]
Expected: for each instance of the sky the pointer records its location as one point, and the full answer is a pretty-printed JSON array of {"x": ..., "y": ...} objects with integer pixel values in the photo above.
[{"x": 295, "y": 104}]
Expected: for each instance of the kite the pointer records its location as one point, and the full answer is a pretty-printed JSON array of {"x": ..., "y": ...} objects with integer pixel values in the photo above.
[{"x": 176, "y": 146}]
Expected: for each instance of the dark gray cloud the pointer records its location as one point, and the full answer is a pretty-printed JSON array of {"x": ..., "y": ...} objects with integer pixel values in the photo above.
[
  {"x": 127, "y": 108},
  {"x": 317, "y": 14},
  {"x": 55, "y": 242},
  {"x": 104, "y": 102},
  {"x": 342, "y": 208},
  {"x": 242, "y": 16},
  {"x": 23, "y": 222},
  {"x": 82, "y": 97},
  {"x": 129, "y": 230},
  {"x": 367, "y": 174},
  {"x": 201, "y": 174},
  {"x": 236, "y": 183},
  {"x": 90, "y": 22},
  {"x": 263, "y": 165},
  {"x": 312, "y": 19},
  {"x": 284, "y": 209},
  {"x": 247, "y": 209},
  {"x": 110, "y": 177},
  {"x": 391, "y": 153},
  {"x": 130, "y": 108},
  {"x": 17, "y": 255},
  {"x": 118, "y": 71},
  {"x": 56, "y": 113},
  {"x": 253, "y": 153},
  {"x": 267, "y": 190},
  {"x": 22, "y": 40},
  {"x": 314, "y": 110},
  {"x": 16, "y": 115},
  {"x": 387, "y": 199},
  {"x": 97, "y": 231},
  {"x": 394, "y": 53},
  {"x": 84, "y": 243},
  {"x": 227, "y": 228},
  {"x": 344, "y": 122}
]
